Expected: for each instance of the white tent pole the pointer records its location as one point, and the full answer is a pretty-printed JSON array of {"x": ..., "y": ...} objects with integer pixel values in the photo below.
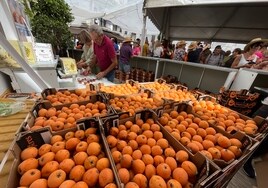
[
  {"x": 143, "y": 32},
  {"x": 25, "y": 66}
]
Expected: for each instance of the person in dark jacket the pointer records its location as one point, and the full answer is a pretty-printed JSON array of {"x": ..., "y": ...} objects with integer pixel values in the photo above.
[
  {"x": 230, "y": 61},
  {"x": 193, "y": 53},
  {"x": 124, "y": 58}
]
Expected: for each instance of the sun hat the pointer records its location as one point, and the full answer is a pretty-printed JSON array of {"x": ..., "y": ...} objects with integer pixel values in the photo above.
[
  {"x": 137, "y": 41},
  {"x": 254, "y": 41},
  {"x": 180, "y": 43},
  {"x": 207, "y": 46},
  {"x": 127, "y": 39},
  {"x": 193, "y": 45}
]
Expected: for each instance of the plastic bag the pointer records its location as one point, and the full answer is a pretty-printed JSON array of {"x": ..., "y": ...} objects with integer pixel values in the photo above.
[{"x": 10, "y": 108}]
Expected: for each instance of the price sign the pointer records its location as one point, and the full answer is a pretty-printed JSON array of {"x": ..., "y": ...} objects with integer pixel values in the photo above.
[{"x": 43, "y": 53}]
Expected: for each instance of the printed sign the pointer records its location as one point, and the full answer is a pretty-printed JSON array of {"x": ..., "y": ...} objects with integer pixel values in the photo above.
[{"x": 43, "y": 53}]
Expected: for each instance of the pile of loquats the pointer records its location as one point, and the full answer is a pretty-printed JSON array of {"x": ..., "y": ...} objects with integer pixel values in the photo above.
[
  {"x": 176, "y": 95},
  {"x": 198, "y": 136},
  {"x": 134, "y": 103},
  {"x": 75, "y": 160},
  {"x": 144, "y": 158},
  {"x": 66, "y": 117},
  {"x": 120, "y": 89},
  {"x": 156, "y": 86},
  {"x": 223, "y": 117},
  {"x": 64, "y": 97}
]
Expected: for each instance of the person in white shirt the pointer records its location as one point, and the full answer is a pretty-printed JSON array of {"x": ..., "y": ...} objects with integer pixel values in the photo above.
[{"x": 158, "y": 49}]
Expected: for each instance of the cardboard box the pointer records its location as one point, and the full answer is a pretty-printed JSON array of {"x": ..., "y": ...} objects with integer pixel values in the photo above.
[
  {"x": 27, "y": 124},
  {"x": 206, "y": 170},
  {"x": 260, "y": 122},
  {"x": 245, "y": 140},
  {"x": 52, "y": 91},
  {"x": 42, "y": 136},
  {"x": 166, "y": 104},
  {"x": 228, "y": 169},
  {"x": 129, "y": 83}
]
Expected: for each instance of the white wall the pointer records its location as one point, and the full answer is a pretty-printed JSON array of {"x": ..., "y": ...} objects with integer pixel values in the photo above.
[{"x": 10, "y": 33}]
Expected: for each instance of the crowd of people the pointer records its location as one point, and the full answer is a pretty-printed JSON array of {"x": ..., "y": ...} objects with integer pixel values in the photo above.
[
  {"x": 254, "y": 55},
  {"x": 100, "y": 53}
]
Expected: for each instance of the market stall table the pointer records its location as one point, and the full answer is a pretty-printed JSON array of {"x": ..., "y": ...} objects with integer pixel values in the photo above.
[{"x": 80, "y": 81}]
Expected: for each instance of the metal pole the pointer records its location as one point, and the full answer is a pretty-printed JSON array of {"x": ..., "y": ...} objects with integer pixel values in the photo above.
[
  {"x": 201, "y": 78},
  {"x": 164, "y": 67},
  {"x": 143, "y": 32},
  {"x": 25, "y": 66},
  {"x": 179, "y": 77},
  {"x": 156, "y": 69}
]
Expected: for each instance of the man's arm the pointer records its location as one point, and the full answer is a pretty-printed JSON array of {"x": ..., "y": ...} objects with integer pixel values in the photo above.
[
  {"x": 110, "y": 68},
  {"x": 93, "y": 61}
]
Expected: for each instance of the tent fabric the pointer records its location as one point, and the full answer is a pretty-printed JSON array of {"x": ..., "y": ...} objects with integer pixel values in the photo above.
[
  {"x": 169, "y": 3},
  {"x": 131, "y": 19},
  {"x": 126, "y": 14},
  {"x": 226, "y": 22}
]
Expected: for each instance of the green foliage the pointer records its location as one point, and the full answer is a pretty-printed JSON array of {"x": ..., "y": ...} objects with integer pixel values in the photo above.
[{"x": 49, "y": 22}]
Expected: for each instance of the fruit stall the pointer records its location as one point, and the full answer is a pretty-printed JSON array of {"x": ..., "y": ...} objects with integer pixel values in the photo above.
[{"x": 152, "y": 134}]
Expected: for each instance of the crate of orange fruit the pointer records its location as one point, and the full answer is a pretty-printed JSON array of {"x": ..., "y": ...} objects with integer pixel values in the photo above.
[
  {"x": 132, "y": 103},
  {"x": 230, "y": 120},
  {"x": 228, "y": 151},
  {"x": 65, "y": 96},
  {"x": 65, "y": 116},
  {"x": 147, "y": 156},
  {"x": 128, "y": 88},
  {"x": 77, "y": 158},
  {"x": 157, "y": 86},
  {"x": 199, "y": 135},
  {"x": 176, "y": 95}
]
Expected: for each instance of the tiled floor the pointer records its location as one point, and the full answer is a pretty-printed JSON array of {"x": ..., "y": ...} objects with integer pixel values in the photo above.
[{"x": 241, "y": 180}]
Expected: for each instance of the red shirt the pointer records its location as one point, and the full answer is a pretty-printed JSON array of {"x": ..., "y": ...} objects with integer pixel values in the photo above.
[{"x": 104, "y": 53}]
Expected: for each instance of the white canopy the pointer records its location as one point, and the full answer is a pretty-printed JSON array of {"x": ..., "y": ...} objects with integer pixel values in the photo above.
[
  {"x": 169, "y": 3},
  {"x": 212, "y": 20},
  {"x": 127, "y": 14}
]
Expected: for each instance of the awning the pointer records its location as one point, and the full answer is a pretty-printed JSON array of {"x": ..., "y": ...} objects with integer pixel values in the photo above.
[{"x": 224, "y": 22}]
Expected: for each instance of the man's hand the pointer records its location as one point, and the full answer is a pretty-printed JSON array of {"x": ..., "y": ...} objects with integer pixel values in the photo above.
[{"x": 100, "y": 75}]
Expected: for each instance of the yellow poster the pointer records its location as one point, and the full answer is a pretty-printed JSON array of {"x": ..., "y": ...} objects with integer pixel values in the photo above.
[
  {"x": 16, "y": 46},
  {"x": 6, "y": 60},
  {"x": 69, "y": 66},
  {"x": 29, "y": 52}
]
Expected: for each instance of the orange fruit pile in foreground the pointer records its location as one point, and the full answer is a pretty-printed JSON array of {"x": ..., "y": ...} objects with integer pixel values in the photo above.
[{"x": 76, "y": 160}]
